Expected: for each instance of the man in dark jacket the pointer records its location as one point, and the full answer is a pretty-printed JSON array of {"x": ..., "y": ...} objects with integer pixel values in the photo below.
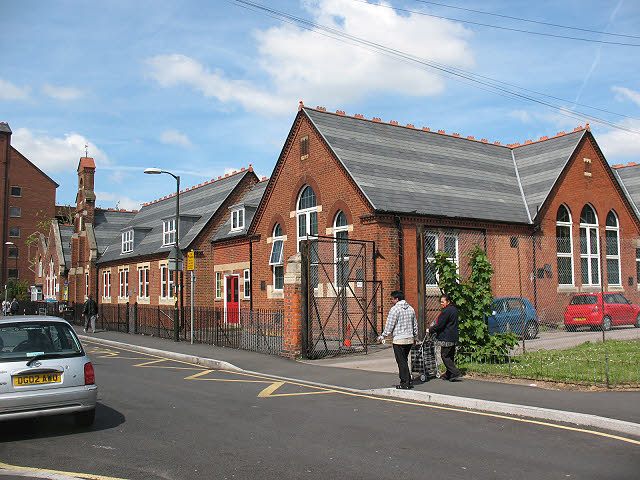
[
  {"x": 15, "y": 306},
  {"x": 90, "y": 311},
  {"x": 446, "y": 330}
]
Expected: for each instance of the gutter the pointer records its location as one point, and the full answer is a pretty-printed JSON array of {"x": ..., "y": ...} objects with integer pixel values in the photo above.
[{"x": 400, "y": 252}]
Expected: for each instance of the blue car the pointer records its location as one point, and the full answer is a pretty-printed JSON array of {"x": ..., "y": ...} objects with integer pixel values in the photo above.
[{"x": 511, "y": 314}]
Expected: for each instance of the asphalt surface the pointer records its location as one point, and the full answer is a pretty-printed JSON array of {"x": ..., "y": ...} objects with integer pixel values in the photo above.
[
  {"x": 380, "y": 372},
  {"x": 167, "y": 419}
]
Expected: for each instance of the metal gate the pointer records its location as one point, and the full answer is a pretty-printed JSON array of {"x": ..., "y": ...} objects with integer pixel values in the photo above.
[{"x": 341, "y": 296}]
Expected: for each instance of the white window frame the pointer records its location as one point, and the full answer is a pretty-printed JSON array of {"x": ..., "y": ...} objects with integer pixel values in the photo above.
[
  {"x": 123, "y": 276},
  {"x": 247, "y": 283},
  {"x": 106, "y": 284},
  {"x": 168, "y": 232},
  {"x": 143, "y": 281},
  {"x": 277, "y": 264},
  {"x": 127, "y": 241},
  {"x": 589, "y": 255},
  {"x": 569, "y": 255},
  {"x": 304, "y": 215},
  {"x": 432, "y": 259},
  {"x": 219, "y": 289},
  {"x": 166, "y": 282},
  {"x": 608, "y": 257},
  {"x": 237, "y": 219},
  {"x": 440, "y": 238},
  {"x": 338, "y": 262}
]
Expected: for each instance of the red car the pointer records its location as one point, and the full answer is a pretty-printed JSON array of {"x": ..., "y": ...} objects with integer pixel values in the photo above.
[{"x": 588, "y": 309}]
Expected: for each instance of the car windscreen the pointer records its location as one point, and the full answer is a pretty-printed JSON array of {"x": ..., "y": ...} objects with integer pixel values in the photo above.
[
  {"x": 584, "y": 300},
  {"x": 42, "y": 339}
]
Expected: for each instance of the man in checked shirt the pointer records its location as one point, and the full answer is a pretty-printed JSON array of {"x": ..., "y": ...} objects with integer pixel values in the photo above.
[{"x": 402, "y": 324}]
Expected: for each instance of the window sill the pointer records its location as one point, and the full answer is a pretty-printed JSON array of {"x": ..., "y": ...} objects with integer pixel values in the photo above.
[
  {"x": 615, "y": 288},
  {"x": 567, "y": 289},
  {"x": 144, "y": 300},
  {"x": 123, "y": 299},
  {"x": 166, "y": 301}
]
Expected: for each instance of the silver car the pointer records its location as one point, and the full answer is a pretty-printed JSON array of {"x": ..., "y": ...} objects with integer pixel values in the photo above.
[{"x": 44, "y": 370}]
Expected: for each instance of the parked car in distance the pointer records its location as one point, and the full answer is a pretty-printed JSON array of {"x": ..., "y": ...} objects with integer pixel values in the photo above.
[
  {"x": 601, "y": 311},
  {"x": 44, "y": 370},
  {"x": 511, "y": 314}
]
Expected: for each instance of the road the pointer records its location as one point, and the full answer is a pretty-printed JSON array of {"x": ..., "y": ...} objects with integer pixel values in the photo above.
[{"x": 164, "y": 419}]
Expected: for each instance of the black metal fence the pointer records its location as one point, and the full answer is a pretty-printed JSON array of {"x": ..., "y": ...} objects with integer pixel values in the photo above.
[{"x": 255, "y": 330}]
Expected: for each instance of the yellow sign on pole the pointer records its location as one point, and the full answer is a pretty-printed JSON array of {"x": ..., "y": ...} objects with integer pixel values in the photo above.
[{"x": 191, "y": 261}]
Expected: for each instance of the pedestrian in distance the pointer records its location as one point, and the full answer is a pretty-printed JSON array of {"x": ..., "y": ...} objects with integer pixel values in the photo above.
[
  {"x": 14, "y": 307},
  {"x": 402, "y": 324},
  {"x": 90, "y": 312},
  {"x": 445, "y": 328}
]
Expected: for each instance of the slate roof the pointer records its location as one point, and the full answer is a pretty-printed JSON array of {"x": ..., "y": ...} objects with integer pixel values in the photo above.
[
  {"x": 251, "y": 200},
  {"x": 629, "y": 177},
  {"x": 66, "y": 231},
  {"x": 406, "y": 170},
  {"x": 107, "y": 224},
  {"x": 4, "y": 127},
  {"x": 199, "y": 204}
]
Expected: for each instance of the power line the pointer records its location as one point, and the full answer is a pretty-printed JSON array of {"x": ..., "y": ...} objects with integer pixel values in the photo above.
[
  {"x": 477, "y": 81},
  {"x": 528, "y": 20},
  {"x": 510, "y": 29}
]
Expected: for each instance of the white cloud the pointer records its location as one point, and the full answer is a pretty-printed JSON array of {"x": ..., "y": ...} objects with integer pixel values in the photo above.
[
  {"x": 116, "y": 199},
  {"x": 173, "y": 137},
  {"x": 62, "y": 93},
  {"x": 617, "y": 144},
  {"x": 522, "y": 115},
  {"x": 303, "y": 65},
  {"x": 623, "y": 94},
  {"x": 56, "y": 154},
  {"x": 9, "y": 91}
]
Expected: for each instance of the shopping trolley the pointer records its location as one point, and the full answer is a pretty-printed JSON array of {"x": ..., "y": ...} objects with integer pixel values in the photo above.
[{"x": 424, "y": 360}]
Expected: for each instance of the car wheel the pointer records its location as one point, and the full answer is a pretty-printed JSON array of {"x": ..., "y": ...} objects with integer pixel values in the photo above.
[
  {"x": 531, "y": 330},
  {"x": 637, "y": 324},
  {"x": 85, "y": 419},
  {"x": 606, "y": 323}
]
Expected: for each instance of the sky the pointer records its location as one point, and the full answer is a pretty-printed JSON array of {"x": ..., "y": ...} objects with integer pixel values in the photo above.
[{"x": 205, "y": 87}]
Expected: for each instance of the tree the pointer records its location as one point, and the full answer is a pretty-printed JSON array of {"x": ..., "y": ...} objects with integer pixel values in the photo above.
[
  {"x": 473, "y": 297},
  {"x": 64, "y": 216},
  {"x": 18, "y": 289}
]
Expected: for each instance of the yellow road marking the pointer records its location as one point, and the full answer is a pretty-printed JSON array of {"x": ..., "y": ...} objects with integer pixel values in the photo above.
[
  {"x": 199, "y": 374},
  {"x": 405, "y": 402},
  {"x": 89, "y": 476},
  {"x": 270, "y": 389}
]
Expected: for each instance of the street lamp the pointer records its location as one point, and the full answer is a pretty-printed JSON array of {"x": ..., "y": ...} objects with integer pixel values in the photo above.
[{"x": 175, "y": 251}]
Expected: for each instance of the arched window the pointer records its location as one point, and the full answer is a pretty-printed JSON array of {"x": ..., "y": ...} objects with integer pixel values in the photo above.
[
  {"x": 307, "y": 214},
  {"x": 277, "y": 243},
  {"x": 341, "y": 234},
  {"x": 564, "y": 246},
  {"x": 589, "y": 247},
  {"x": 307, "y": 220},
  {"x": 613, "y": 249}
]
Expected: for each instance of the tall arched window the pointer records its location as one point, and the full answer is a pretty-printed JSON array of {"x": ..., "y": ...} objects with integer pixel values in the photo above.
[
  {"x": 307, "y": 219},
  {"x": 564, "y": 246},
  {"x": 613, "y": 249},
  {"x": 307, "y": 214},
  {"x": 589, "y": 247},
  {"x": 277, "y": 243},
  {"x": 341, "y": 234}
]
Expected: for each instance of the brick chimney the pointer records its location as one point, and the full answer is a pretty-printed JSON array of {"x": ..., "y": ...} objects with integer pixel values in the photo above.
[{"x": 86, "y": 198}]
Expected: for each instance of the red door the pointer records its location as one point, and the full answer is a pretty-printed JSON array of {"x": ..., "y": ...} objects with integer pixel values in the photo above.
[{"x": 233, "y": 307}]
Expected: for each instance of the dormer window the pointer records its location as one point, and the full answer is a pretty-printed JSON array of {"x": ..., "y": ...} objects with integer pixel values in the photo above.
[
  {"x": 237, "y": 219},
  {"x": 127, "y": 241},
  {"x": 169, "y": 232}
]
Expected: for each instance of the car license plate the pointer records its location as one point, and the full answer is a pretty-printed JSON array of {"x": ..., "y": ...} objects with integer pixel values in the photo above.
[
  {"x": 580, "y": 319},
  {"x": 36, "y": 379}
]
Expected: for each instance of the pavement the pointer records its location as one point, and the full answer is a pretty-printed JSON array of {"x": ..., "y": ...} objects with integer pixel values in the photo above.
[{"x": 375, "y": 373}]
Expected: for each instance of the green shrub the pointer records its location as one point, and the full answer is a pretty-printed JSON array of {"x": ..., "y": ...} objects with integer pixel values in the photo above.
[{"x": 473, "y": 298}]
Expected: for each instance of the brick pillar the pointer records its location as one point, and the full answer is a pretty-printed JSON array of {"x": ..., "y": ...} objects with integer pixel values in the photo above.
[{"x": 292, "y": 342}]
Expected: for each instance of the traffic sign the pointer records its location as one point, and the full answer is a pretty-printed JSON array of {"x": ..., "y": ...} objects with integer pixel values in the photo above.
[{"x": 191, "y": 261}]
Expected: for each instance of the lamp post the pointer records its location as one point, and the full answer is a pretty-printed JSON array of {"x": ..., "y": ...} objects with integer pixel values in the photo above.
[{"x": 175, "y": 251}]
